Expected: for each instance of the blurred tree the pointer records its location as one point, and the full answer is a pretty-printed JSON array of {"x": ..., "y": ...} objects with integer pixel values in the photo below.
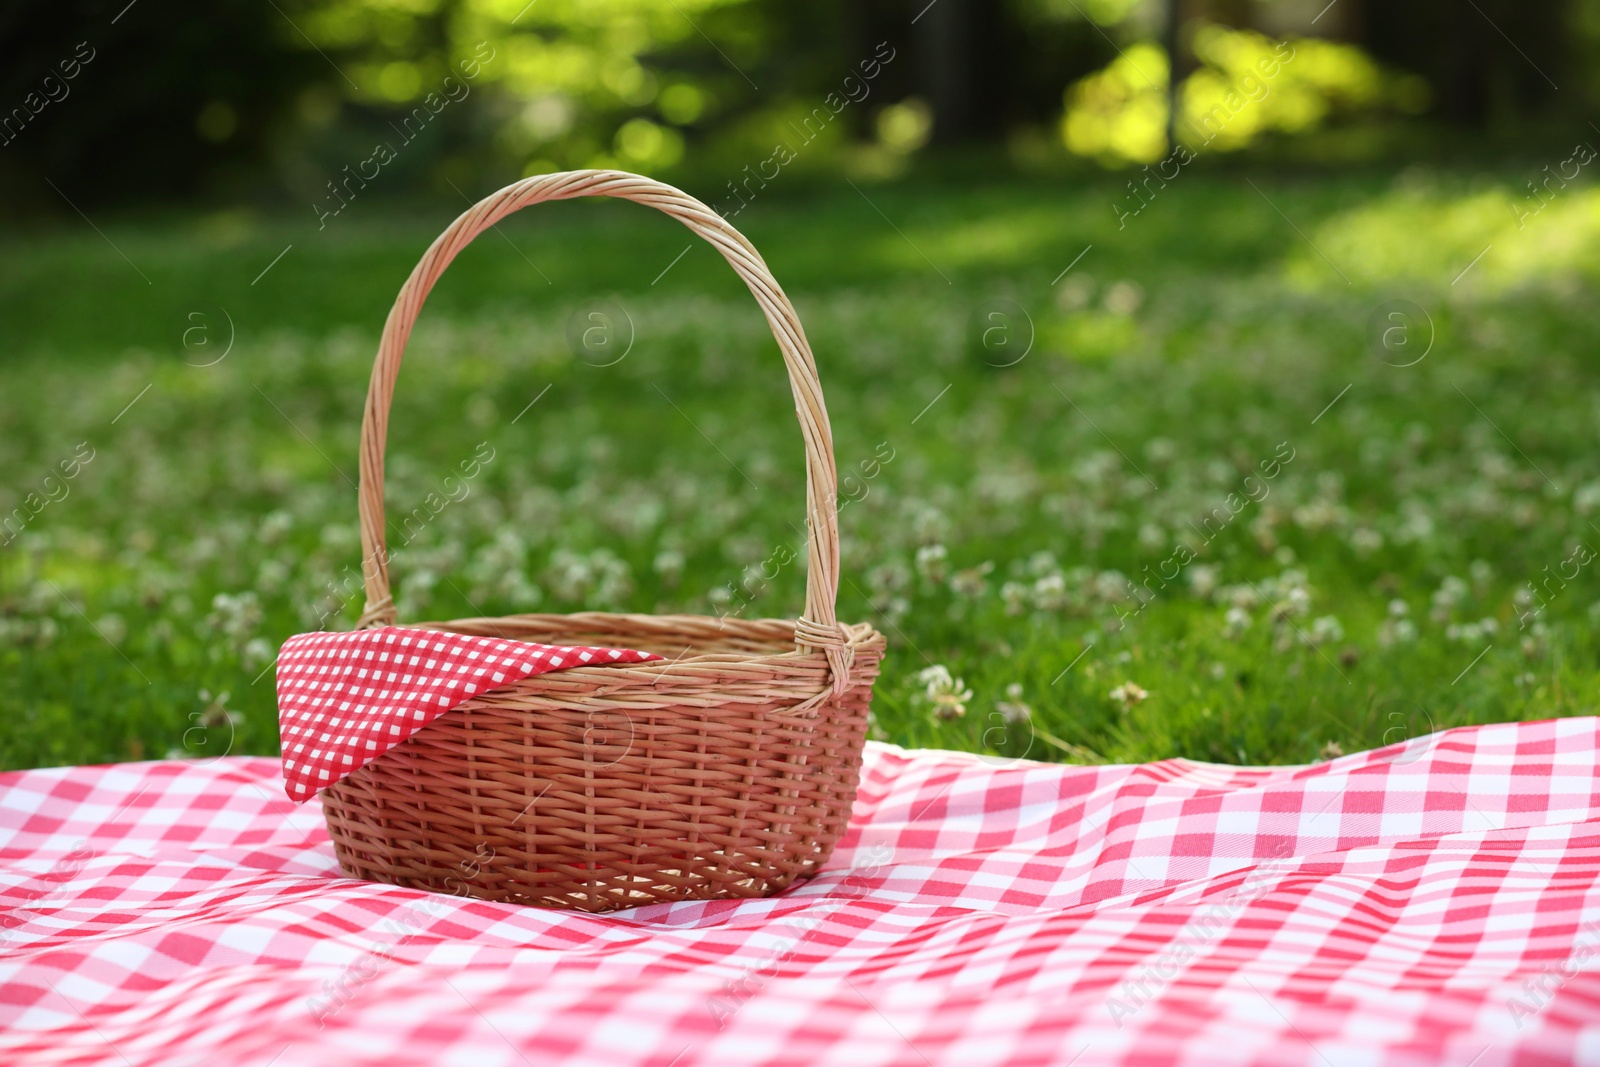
[
  {"x": 163, "y": 99},
  {"x": 987, "y": 67},
  {"x": 568, "y": 83},
  {"x": 255, "y": 97},
  {"x": 1488, "y": 62}
]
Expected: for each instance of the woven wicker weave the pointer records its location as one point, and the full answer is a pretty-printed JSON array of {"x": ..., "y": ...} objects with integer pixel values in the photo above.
[{"x": 727, "y": 770}]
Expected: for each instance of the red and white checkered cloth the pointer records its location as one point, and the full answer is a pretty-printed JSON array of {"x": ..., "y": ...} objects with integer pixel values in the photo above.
[
  {"x": 344, "y": 699},
  {"x": 1428, "y": 904}
]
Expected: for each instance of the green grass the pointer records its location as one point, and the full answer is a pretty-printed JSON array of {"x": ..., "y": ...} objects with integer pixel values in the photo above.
[{"x": 1343, "y": 606}]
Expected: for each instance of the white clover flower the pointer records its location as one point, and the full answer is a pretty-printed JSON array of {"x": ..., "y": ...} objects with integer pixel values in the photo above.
[
  {"x": 1111, "y": 586},
  {"x": 1365, "y": 540},
  {"x": 1161, "y": 449},
  {"x": 1075, "y": 293},
  {"x": 1012, "y": 709},
  {"x": 216, "y": 710},
  {"x": 311, "y": 613},
  {"x": 1236, "y": 622},
  {"x": 1123, "y": 297},
  {"x": 1418, "y": 525},
  {"x": 340, "y": 537},
  {"x": 236, "y": 615},
  {"x": 274, "y": 527},
  {"x": 1050, "y": 593},
  {"x": 933, "y": 562},
  {"x": 1326, "y": 629},
  {"x": 272, "y": 575},
  {"x": 202, "y": 550},
  {"x": 568, "y": 575},
  {"x": 971, "y": 582},
  {"x": 888, "y": 577},
  {"x": 1396, "y": 632},
  {"x": 1202, "y": 580},
  {"x": 112, "y": 628},
  {"x": 1318, "y": 515},
  {"x": 1098, "y": 468},
  {"x": 257, "y": 652},
  {"x": 1447, "y": 597},
  {"x": 1451, "y": 592},
  {"x": 1587, "y": 498},
  {"x": 668, "y": 564},
  {"x": 947, "y": 696},
  {"x": 1042, "y": 563},
  {"x": 516, "y": 588},
  {"x": 1242, "y": 595},
  {"x": 897, "y": 608},
  {"x": 1296, "y": 605},
  {"x": 928, "y": 523},
  {"x": 600, "y": 579},
  {"x": 420, "y": 582},
  {"x": 1128, "y": 694},
  {"x": 1015, "y": 595}
]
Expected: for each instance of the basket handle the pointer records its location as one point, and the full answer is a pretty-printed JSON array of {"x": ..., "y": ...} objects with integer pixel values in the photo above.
[{"x": 818, "y": 628}]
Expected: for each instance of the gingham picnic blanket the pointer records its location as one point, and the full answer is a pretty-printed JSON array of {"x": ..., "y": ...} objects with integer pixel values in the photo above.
[{"x": 1428, "y": 903}]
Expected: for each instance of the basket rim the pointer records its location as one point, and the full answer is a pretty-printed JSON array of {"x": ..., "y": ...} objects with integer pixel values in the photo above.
[{"x": 860, "y": 638}]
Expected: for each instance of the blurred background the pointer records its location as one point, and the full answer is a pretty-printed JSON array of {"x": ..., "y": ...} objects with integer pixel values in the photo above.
[
  {"x": 1209, "y": 377},
  {"x": 245, "y": 103}
]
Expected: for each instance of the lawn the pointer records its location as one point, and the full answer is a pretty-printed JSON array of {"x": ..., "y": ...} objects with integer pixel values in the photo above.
[{"x": 1282, "y": 466}]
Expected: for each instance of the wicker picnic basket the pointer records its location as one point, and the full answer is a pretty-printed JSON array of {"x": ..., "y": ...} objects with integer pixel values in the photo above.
[{"x": 728, "y": 769}]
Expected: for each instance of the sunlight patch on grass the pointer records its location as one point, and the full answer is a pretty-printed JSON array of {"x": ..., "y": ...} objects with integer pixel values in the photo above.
[{"x": 1428, "y": 238}]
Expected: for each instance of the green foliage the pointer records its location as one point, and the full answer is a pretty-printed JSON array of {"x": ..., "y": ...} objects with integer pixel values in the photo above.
[
  {"x": 1411, "y": 565},
  {"x": 623, "y": 83},
  {"x": 1246, "y": 87}
]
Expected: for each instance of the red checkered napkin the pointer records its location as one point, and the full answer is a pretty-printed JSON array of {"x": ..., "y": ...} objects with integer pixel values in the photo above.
[{"x": 344, "y": 699}]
